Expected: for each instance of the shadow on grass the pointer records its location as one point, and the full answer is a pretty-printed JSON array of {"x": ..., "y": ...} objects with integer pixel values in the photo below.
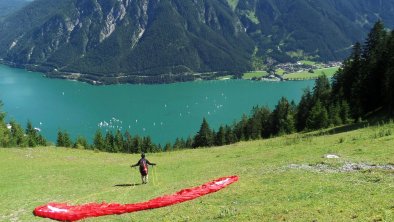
[
  {"x": 127, "y": 185},
  {"x": 351, "y": 127},
  {"x": 347, "y": 128},
  {"x": 339, "y": 129}
]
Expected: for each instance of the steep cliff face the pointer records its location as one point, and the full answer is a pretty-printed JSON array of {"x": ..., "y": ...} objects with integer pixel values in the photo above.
[{"x": 128, "y": 37}]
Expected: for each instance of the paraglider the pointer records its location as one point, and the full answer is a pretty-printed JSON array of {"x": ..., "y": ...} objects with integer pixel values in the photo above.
[{"x": 65, "y": 212}]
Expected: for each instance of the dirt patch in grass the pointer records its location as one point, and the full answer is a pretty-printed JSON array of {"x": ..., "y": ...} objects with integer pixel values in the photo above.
[{"x": 347, "y": 167}]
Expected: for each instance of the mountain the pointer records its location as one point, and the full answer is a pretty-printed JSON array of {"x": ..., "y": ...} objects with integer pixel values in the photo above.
[
  {"x": 111, "y": 41},
  {"x": 319, "y": 29},
  {"x": 116, "y": 38},
  {"x": 7, "y": 7}
]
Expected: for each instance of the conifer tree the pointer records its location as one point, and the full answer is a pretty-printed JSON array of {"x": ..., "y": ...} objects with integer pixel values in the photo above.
[
  {"x": 67, "y": 140},
  {"x": 389, "y": 76},
  {"x": 347, "y": 82},
  {"x": 157, "y": 148},
  {"x": 374, "y": 55},
  {"x": 220, "y": 138},
  {"x": 128, "y": 141},
  {"x": 2, "y": 113},
  {"x": 81, "y": 143},
  {"x": 179, "y": 144},
  {"x": 374, "y": 39},
  {"x": 282, "y": 118},
  {"x": 136, "y": 144},
  {"x": 5, "y": 139},
  {"x": 182, "y": 143},
  {"x": 204, "y": 137},
  {"x": 189, "y": 142},
  {"x": 17, "y": 134},
  {"x": 230, "y": 135},
  {"x": 240, "y": 128},
  {"x": 98, "y": 141},
  {"x": 303, "y": 109},
  {"x": 60, "y": 139},
  {"x": 147, "y": 145},
  {"x": 345, "y": 112},
  {"x": 334, "y": 114},
  {"x": 254, "y": 125},
  {"x": 167, "y": 147},
  {"x": 109, "y": 142},
  {"x": 31, "y": 134},
  {"x": 322, "y": 90},
  {"x": 265, "y": 115},
  {"x": 41, "y": 140},
  {"x": 118, "y": 141},
  {"x": 351, "y": 77},
  {"x": 318, "y": 117}
]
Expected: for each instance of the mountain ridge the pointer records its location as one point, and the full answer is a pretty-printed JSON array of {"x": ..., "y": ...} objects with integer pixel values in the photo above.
[
  {"x": 123, "y": 40},
  {"x": 153, "y": 41}
]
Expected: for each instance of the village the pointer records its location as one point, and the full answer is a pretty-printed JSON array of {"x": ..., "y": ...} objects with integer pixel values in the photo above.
[{"x": 298, "y": 71}]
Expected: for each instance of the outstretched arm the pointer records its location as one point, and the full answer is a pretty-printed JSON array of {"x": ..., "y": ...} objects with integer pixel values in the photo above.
[
  {"x": 152, "y": 164},
  {"x": 138, "y": 163}
]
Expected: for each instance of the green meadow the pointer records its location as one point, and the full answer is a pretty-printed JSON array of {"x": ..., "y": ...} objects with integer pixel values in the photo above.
[
  {"x": 307, "y": 62},
  {"x": 307, "y": 75},
  {"x": 280, "y": 71},
  {"x": 254, "y": 74},
  {"x": 281, "y": 179}
]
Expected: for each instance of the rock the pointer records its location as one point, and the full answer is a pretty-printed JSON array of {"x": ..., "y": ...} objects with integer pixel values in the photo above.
[{"x": 331, "y": 156}]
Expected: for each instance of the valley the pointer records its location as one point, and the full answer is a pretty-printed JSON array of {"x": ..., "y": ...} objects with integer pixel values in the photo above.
[{"x": 152, "y": 42}]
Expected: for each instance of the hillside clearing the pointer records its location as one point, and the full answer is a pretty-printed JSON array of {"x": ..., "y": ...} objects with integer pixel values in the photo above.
[{"x": 270, "y": 187}]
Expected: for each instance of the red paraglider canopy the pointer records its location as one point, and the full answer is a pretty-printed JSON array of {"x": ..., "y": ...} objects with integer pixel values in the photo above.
[{"x": 65, "y": 212}]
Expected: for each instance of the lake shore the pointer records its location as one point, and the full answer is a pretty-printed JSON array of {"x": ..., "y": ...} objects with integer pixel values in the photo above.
[{"x": 117, "y": 78}]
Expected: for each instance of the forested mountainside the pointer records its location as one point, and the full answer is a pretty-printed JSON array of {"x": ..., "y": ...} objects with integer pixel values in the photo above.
[
  {"x": 320, "y": 29},
  {"x": 7, "y": 7},
  {"x": 111, "y": 41}
]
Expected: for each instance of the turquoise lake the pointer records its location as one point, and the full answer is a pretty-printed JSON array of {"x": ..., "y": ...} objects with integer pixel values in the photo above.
[{"x": 163, "y": 112}]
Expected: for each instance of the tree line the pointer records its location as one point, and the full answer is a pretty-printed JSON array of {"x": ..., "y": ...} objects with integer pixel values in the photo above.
[
  {"x": 13, "y": 135},
  {"x": 110, "y": 142},
  {"x": 366, "y": 79},
  {"x": 315, "y": 111}
]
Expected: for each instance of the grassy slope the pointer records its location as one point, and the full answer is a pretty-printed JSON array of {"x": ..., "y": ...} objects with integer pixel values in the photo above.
[
  {"x": 267, "y": 190},
  {"x": 254, "y": 74},
  {"x": 307, "y": 62},
  {"x": 306, "y": 75}
]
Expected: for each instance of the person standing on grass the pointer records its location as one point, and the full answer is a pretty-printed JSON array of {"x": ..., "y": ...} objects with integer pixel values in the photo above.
[{"x": 143, "y": 163}]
